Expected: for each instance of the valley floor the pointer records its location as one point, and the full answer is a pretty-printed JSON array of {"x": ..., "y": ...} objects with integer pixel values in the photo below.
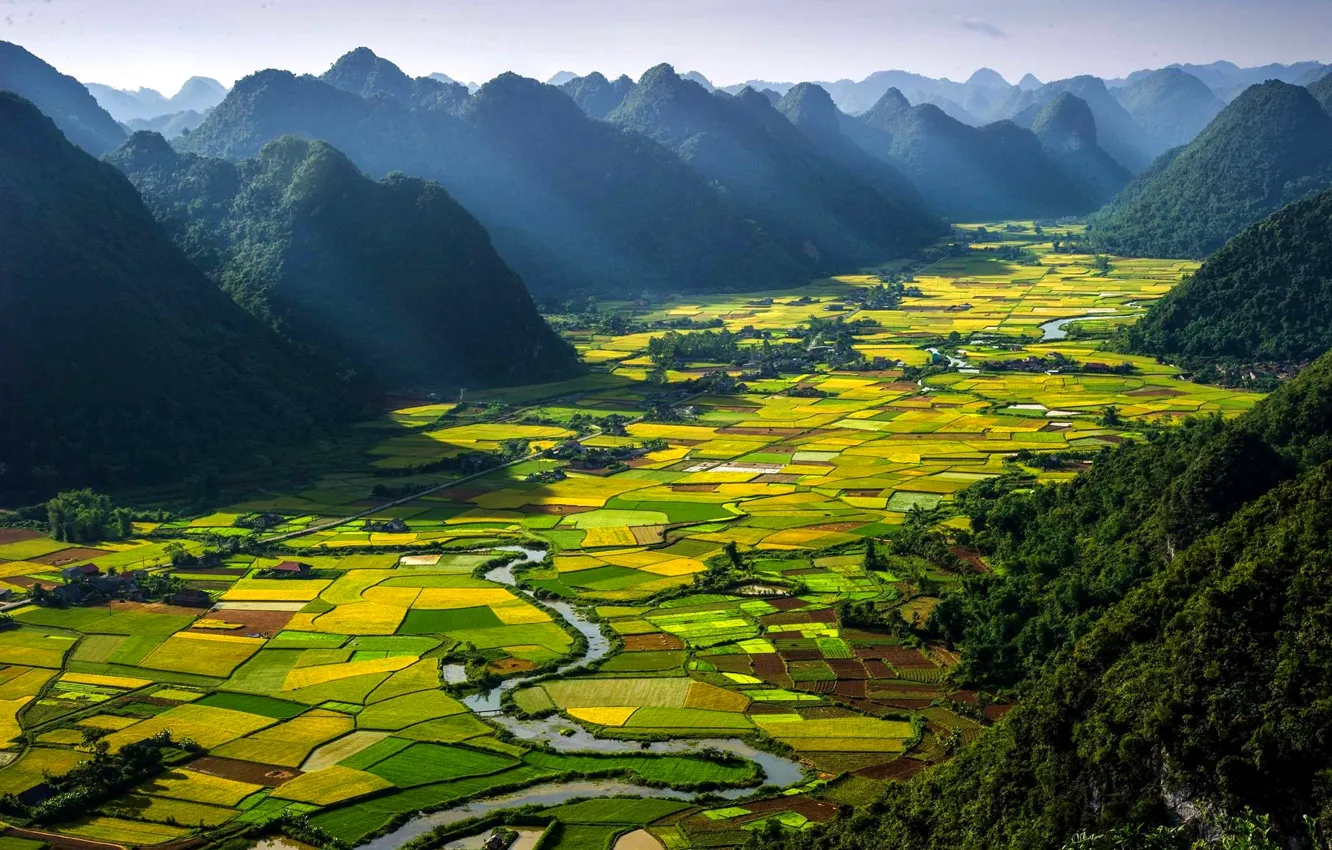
[{"x": 317, "y": 693}]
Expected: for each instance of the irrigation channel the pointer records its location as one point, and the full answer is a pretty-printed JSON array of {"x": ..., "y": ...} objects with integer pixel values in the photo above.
[{"x": 554, "y": 733}]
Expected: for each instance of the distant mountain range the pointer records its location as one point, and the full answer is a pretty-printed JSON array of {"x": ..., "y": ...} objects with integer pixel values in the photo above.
[
  {"x": 198, "y": 94},
  {"x": 964, "y": 172},
  {"x": 809, "y": 203},
  {"x": 1227, "y": 79},
  {"x": 572, "y": 203},
  {"x": 1138, "y": 117}
]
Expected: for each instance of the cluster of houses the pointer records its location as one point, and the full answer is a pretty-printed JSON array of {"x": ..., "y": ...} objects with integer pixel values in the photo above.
[
  {"x": 85, "y": 582},
  {"x": 392, "y": 526}
]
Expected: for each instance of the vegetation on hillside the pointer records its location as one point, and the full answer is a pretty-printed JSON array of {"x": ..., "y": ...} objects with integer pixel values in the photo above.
[
  {"x": 572, "y": 204},
  {"x": 967, "y": 173},
  {"x": 1268, "y": 148},
  {"x": 391, "y": 280},
  {"x": 1265, "y": 296},
  {"x": 124, "y": 364},
  {"x": 60, "y": 97},
  {"x": 814, "y": 208}
]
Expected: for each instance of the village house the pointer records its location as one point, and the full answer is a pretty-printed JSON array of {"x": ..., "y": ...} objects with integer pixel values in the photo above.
[
  {"x": 191, "y": 598},
  {"x": 81, "y": 572},
  {"x": 290, "y": 569}
]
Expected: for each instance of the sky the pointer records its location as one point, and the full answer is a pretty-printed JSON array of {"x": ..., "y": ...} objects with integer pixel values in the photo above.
[{"x": 160, "y": 43}]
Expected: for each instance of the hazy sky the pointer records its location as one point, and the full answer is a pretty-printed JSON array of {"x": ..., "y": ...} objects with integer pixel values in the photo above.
[{"x": 158, "y": 43}]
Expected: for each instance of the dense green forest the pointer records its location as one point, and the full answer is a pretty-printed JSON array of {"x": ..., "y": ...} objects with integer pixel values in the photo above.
[
  {"x": 1163, "y": 620},
  {"x": 392, "y": 280},
  {"x": 596, "y": 95},
  {"x": 1271, "y": 146},
  {"x": 123, "y": 363},
  {"x": 1265, "y": 296}
]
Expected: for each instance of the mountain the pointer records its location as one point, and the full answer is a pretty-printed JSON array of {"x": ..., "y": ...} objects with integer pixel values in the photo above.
[
  {"x": 987, "y": 78},
  {"x": 1067, "y": 131},
  {"x": 125, "y": 365},
  {"x": 812, "y": 206},
  {"x": 392, "y": 279},
  {"x": 561, "y": 77},
  {"x": 572, "y": 204},
  {"x": 1321, "y": 89},
  {"x": 73, "y": 109},
  {"x": 198, "y": 94},
  {"x": 1228, "y": 80},
  {"x": 361, "y": 72},
  {"x": 596, "y": 95},
  {"x": 967, "y": 173},
  {"x": 449, "y": 81},
  {"x": 125, "y": 105},
  {"x": 1029, "y": 82},
  {"x": 1159, "y": 614},
  {"x": 976, "y": 96},
  {"x": 1272, "y": 145},
  {"x": 1171, "y": 106},
  {"x": 171, "y": 125},
  {"x": 696, "y": 77},
  {"x": 814, "y": 114},
  {"x": 1117, "y": 132},
  {"x": 952, "y": 109},
  {"x": 1266, "y": 295}
]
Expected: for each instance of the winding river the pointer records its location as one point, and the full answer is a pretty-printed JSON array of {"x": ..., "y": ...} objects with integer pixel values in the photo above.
[
  {"x": 551, "y": 731},
  {"x": 1055, "y": 329}
]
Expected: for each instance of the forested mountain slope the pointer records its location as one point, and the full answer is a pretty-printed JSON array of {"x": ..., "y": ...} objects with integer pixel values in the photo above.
[
  {"x": 1163, "y": 617},
  {"x": 124, "y": 364},
  {"x": 571, "y": 203},
  {"x": 1271, "y": 146},
  {"x": 811, "y": 204},
  {"x": 64, "y": 99},
  {"x": 967, "y": 173},
  {"x": 1321, "y": 89},
  {"x": 392, "y": 279},
  {"x": 596, "y": 95},
  {"x": 1172, "y": 107},
  {"x": 1266, "y": 295},
  {"x": 1067, "y": 130},
  {"x": 812, "y": 111}
]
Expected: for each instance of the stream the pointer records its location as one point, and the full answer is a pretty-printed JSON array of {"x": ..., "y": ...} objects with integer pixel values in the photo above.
[
  {"x": 779, "y": 771},
  {"x": 1055, "y": 329},
  {"x": 954, "y": 362}
]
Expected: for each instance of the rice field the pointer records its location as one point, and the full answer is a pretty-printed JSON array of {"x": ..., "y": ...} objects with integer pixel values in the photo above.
[{"x": 324, "y": 693}]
